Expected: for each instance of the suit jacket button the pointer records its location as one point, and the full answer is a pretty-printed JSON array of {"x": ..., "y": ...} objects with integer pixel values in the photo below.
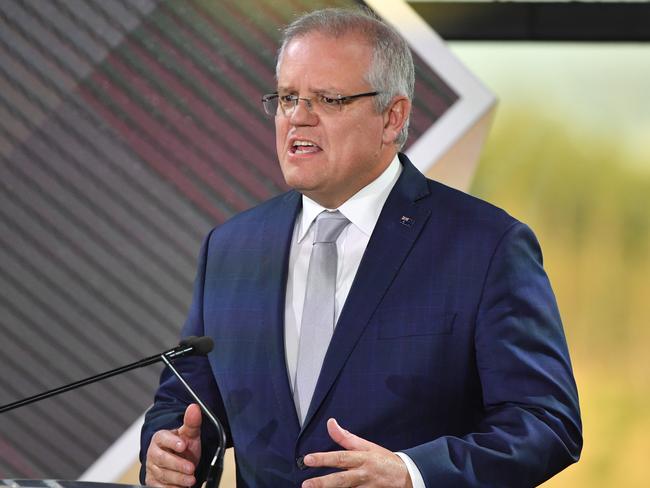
[{"x": 300, "y": 462}]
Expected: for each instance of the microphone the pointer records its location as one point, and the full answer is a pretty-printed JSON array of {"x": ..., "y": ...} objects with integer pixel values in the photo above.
[
  {"x": 190, "y": 346},
  {"x": 193, "y": 346}
]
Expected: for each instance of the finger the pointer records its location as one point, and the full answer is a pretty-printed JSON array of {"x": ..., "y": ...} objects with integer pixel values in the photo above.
[
  {"x": 347, "y": 440},
  {"x": 168, "y": 477},
  {"x": 342, "y": 479},
  {"x": 335, "y": 459},
  {"x": 191, "y": 428},
  {"x": 154, "y": 483},
  {"x": 169, "y": 440},
  {"x": 169, "y": 461}
]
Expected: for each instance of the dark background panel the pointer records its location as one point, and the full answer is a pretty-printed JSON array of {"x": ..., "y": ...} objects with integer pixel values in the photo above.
[{"x": 538, "y": 21}]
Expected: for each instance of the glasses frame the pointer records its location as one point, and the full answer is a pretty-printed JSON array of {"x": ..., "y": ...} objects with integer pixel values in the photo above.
[{"x": 339, "y": 99}]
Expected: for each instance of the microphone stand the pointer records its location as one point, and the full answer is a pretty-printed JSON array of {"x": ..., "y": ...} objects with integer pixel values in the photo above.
[
  {"x": 179, "y": 351},
  {"x": 216, "y": 465},
  {"x": 187, "y": 347}
]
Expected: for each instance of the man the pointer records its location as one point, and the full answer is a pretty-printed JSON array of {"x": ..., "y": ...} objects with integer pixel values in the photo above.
[{"x": 444, "y": 359}]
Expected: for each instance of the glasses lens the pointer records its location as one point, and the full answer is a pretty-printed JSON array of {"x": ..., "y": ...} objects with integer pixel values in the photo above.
[
  {"x": 329, "y": 104},
  {"x": 270, "y": 103}
]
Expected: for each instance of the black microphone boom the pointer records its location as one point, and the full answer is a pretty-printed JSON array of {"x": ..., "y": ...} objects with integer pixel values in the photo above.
[{"x": 191, "y": 346}]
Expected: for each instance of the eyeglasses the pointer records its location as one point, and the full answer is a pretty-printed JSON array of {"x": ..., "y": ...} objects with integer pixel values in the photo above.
[{"x": 319, "y": 103}]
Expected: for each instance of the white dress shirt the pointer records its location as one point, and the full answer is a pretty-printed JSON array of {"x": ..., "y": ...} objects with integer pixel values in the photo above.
[{"x": 362, "y": 210}]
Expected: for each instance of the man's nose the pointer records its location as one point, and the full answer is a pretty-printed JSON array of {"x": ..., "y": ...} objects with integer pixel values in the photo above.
[{"x": 302, "y": 113}]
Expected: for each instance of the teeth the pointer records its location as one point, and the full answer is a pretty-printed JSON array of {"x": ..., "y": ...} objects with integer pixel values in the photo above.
[{"x": 303, "y": 143}]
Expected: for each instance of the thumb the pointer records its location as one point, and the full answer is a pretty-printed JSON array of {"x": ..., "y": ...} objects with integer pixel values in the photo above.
[
  {"x": 191, "y": 428},
  {"x": 346, "y": 439}
]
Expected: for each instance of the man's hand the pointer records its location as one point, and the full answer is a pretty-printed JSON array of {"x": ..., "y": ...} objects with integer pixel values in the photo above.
[
  {"x": 364, "y": 463},
  {"x": 173, "y": 455}
]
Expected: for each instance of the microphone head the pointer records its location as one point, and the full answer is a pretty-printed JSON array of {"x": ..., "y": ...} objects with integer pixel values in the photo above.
[{"x": 201, "y": 345}]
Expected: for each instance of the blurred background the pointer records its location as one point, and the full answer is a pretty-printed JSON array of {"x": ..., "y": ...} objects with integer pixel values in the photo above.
[{"x": 569, "y": 153}]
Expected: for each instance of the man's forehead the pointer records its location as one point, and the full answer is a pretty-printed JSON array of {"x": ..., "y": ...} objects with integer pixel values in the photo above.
[
  {"x": 337, "y": 44},
  {"x": 328, "y": 63}
]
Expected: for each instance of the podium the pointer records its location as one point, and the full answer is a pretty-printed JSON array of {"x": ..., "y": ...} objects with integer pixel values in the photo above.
[{"x": 7, "y": 483}]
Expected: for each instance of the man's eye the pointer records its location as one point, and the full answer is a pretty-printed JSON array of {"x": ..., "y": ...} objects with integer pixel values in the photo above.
[
  {"x": 325, "y": 100},
  {"x": 287, "y": 98}
]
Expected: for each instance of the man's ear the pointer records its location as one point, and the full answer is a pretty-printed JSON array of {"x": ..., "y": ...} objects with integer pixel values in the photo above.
[{"x": 395, "y": 117}]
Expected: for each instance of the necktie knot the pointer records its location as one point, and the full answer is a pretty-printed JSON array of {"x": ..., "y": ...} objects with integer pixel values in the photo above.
[{"x": 329, "y": 226}]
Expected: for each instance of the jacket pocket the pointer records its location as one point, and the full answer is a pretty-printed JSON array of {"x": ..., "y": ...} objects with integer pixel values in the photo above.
[{"x": 413, "y": 322}]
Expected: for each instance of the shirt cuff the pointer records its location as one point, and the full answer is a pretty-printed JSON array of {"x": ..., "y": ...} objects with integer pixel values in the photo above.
[{"x": 414, "y": 472}]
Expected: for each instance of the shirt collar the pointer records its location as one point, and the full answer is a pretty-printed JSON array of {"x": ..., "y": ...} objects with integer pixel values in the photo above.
[{"x": 362, "y": 209}]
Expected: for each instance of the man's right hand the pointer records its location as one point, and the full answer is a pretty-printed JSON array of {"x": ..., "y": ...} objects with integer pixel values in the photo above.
[{"x": 173, "y": 455}]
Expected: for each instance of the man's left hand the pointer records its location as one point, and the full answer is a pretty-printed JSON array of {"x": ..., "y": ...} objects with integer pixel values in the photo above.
[{"x": 363, "y": 463}]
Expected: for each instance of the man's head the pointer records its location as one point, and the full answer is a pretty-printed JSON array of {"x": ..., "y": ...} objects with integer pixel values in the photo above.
[{"x": 335, "y": 53}]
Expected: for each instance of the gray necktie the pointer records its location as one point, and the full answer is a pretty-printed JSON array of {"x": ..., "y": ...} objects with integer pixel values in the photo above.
[{"x": 317, "y": 325}]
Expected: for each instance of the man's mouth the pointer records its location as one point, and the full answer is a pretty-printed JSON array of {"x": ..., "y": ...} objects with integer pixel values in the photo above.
[{"x": 303, "y": 147}]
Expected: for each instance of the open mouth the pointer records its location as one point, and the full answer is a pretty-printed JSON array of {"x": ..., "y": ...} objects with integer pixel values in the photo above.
[{"x": 304, "y": 147}]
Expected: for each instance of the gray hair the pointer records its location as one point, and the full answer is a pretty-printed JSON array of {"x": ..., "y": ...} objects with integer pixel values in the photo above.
[{"x": 391, "y": 70}]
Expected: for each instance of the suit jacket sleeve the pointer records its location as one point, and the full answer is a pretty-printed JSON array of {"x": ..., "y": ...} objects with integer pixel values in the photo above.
[
  {"x": 172, "y": 399},
  {"x": 531, "y": 426}
]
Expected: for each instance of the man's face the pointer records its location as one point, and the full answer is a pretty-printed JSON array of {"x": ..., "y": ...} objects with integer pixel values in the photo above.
[{"x": 349, "y": 148}]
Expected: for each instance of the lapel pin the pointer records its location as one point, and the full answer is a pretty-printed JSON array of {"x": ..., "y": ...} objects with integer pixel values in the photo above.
[{"x": 407, "y": 221}]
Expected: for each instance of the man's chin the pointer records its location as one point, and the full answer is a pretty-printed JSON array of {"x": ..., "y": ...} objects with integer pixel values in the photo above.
[
  {"x": 296, "y": 179},
  {"x": 303, "y": 187}
]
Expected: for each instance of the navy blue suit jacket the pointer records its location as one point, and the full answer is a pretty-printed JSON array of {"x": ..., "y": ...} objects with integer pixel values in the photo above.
[{"x": 449, "y": 346}]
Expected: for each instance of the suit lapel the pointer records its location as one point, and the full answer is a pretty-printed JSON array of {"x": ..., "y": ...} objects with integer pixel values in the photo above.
[
  {"x": 397, "y": 229},
  {"x": 279, "y": 230}
]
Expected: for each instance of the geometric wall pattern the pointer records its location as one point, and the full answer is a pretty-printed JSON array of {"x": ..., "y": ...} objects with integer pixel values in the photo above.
[{"x": 128, "y": 128}]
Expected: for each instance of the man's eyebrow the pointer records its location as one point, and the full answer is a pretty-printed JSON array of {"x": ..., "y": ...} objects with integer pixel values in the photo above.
[{"x": 329, "y": 90}]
